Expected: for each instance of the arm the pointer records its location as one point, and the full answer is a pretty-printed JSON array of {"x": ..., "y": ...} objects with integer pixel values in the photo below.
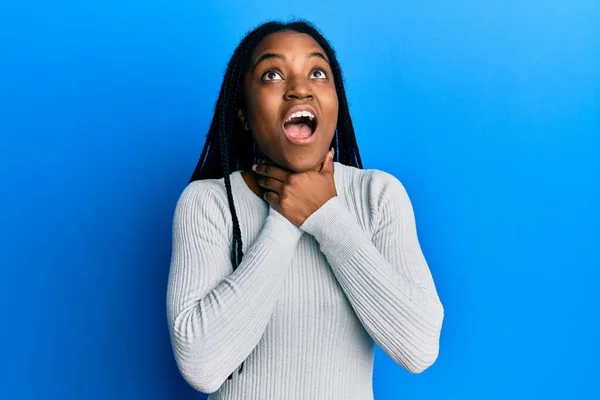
[
  {"x": 216, "y": 317},
  {"x": 386, "y": 277}
]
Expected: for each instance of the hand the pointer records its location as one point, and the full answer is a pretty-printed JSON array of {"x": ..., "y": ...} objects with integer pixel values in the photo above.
[{"x": 297, "y": 195}]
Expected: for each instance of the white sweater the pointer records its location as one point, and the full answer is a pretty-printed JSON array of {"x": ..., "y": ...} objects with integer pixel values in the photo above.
[{"x": 306, "y": 305}]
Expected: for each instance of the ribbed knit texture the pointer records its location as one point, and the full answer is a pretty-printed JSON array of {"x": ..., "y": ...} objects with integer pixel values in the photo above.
[{"x": 306, "y": 305}]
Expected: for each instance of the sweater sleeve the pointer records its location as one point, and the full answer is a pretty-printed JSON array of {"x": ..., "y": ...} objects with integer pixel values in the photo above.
[
  {"x": 385, "y": 277},
  {"x": 216, "y": 317}
]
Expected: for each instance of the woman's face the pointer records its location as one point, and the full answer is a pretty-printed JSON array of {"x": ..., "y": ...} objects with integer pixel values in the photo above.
[{"x": 292, "y": 106}]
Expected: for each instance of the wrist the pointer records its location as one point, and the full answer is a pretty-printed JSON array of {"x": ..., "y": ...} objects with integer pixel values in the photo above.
[{"x": 322, "y": 217}]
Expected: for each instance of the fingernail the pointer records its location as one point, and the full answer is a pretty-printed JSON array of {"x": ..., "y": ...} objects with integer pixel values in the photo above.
[{"x": 254, "y": 168}]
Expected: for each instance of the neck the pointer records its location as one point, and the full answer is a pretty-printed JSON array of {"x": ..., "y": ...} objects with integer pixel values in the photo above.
[{"x": 251, "y": 178}]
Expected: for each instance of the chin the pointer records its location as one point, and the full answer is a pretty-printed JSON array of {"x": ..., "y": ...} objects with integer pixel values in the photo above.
[{"x": 300, "y": 164}]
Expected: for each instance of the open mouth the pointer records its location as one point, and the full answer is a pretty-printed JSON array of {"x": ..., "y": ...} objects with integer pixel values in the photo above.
[{"x": 300, "y": 126}]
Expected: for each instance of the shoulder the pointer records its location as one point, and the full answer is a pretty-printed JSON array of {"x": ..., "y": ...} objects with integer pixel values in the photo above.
[
  {"x": 203, "y": 199},
  {"x": 203, "y": 193},
  {"x": 375, "y": 186}
]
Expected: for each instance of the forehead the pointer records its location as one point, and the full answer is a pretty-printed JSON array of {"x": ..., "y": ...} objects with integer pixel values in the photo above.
[{"x": 289, "y": 43}]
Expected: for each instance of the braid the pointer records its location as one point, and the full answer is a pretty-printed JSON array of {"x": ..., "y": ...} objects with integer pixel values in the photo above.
[
  {"x": 351, "y": 153},
  {"x": 236, "y": 249},
  {"x": 228, "y": 147},
  {"x": 231, "y": 92}
]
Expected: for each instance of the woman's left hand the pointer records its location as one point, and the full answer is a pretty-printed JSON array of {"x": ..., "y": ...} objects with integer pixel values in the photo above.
[{"x": 297, "y": 195}]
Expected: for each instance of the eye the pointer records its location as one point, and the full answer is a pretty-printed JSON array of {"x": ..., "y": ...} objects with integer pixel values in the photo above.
[
  {"x": 271, "y": 76},
  {"x": 319, "y": 74}
]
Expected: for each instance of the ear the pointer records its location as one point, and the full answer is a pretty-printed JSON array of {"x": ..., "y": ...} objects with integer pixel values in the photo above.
[{"x": 242, "y": 119}]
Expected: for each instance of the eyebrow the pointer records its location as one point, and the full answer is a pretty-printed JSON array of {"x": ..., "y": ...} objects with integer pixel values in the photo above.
[{"x": 268, "y": 56}]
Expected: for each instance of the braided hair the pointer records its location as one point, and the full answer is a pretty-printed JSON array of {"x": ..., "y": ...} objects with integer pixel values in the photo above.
[{"x": 229, "y": 147}]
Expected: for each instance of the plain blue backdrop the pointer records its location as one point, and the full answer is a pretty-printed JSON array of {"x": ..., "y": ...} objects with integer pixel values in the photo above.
[{"x": 487, "y": 111}]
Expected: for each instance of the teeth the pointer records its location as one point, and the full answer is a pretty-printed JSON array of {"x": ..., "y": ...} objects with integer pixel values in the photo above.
[{"x": 299, "y": 114}]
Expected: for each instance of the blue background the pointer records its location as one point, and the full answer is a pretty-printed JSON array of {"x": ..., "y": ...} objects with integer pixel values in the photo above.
[{"x": 488, "y": 112}]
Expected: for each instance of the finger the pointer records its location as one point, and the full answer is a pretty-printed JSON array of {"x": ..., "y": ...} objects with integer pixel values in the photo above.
[
  {"x": 271, "y": 184},
  {"x": 271, "y": 171},
  {"x": 272, "y": 198},
  {"x": 327, "y": 167}
]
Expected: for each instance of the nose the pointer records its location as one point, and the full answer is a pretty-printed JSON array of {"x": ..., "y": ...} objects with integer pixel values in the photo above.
[{"x": 298, "y": 89}]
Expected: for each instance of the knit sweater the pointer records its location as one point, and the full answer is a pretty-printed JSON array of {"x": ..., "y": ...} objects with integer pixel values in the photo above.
[{"x": 307, "y": 304}]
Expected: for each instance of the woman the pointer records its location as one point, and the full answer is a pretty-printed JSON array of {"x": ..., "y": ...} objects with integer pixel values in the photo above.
[{"x": 287, "y": 267}]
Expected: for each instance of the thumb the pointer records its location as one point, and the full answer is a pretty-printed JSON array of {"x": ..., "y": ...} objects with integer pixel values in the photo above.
[{"x": 327, "y": 167}]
